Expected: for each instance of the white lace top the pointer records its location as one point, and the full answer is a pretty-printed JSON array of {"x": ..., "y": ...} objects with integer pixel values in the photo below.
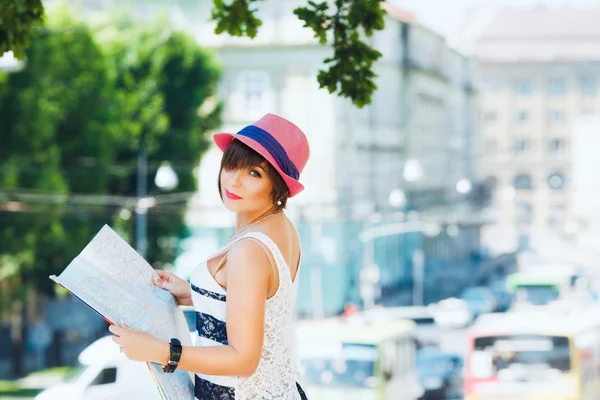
[{"x": 276, "y": 376}]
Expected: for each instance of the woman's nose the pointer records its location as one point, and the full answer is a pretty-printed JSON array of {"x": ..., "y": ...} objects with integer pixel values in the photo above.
[{"x": 235, "y": 178}]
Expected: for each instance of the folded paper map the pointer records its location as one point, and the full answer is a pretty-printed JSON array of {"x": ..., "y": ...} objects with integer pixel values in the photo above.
[{"x": 116, "y": 282}]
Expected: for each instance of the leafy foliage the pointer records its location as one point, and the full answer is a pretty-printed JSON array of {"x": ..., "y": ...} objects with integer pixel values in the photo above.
[
  {"x": 19, "y": 20},
  {"x": 341, "y": 23},
  {"x": 72, "y": 123}
]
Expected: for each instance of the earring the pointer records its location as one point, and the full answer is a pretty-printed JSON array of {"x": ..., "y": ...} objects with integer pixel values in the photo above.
[{"x": 278, "y": 202}]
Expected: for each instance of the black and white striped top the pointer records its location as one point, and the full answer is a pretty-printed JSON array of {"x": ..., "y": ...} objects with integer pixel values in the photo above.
[{"x": 276, "y": 376}]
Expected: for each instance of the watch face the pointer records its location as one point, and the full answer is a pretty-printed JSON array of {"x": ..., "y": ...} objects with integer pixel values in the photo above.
[{"x": 175, "y": 351}]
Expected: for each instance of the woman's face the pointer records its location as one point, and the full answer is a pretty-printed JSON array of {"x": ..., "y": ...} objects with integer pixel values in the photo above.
[{"x": 246, "y": 190}]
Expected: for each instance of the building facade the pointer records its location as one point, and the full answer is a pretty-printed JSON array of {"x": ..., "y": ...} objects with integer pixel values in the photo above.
[
  {"x": 539, "y": 70},
  {"x": 417, "y": 138}
]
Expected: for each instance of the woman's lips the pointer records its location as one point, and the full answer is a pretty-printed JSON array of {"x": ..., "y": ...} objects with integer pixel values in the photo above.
[{"x": 231, "y": 195}]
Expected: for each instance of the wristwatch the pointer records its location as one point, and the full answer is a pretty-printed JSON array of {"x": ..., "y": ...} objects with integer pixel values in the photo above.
[{"x": 174, "y": 356}]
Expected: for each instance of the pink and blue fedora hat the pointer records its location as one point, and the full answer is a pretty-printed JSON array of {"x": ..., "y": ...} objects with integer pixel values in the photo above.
[{"x": 280, "y": 142}]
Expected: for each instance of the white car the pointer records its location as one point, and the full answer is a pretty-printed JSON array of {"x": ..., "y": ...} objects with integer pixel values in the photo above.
[
  {"x": 105, "y": 373},
  {"x": 452, "y": 313}
]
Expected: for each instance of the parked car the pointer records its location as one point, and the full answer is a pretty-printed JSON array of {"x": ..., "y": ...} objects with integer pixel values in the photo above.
[
  {"x": 105, "y": 373},
  {"x": 440, "y": 374},
  {"x": 503, "y": 298},
  {"x": 426, "y": 331},
  {"x": 452, "y": 313},
  {"x": 480, "y": 299}
]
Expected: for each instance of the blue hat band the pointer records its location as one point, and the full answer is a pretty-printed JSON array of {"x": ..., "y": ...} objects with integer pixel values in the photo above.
[{"x": 273, "y": 147}]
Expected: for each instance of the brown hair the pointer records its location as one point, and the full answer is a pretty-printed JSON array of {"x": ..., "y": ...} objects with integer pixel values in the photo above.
[{"x": 239, "y": 156}]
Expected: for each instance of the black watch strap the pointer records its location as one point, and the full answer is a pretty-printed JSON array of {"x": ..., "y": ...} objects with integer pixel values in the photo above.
[{"x": 175, "y": 350}]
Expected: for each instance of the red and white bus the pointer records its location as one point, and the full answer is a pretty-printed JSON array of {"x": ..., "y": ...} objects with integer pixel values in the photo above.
[{"x": 547, "y": 354}]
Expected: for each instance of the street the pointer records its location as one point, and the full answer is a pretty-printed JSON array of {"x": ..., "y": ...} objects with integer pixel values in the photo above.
[{"x": 454, "y": 341}]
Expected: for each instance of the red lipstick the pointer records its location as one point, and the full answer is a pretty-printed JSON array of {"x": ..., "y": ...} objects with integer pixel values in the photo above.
[{"x": 231, "y": 195}]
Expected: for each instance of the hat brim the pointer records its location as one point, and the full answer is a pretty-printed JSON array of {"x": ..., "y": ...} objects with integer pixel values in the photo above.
[{"x": 223, "y": 140}]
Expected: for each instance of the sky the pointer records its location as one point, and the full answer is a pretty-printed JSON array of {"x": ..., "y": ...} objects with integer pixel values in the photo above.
[{"x": 443, "y": 16}]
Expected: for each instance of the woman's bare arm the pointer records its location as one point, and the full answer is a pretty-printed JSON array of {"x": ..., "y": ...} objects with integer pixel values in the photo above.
[{"x": 248, "y": 276}]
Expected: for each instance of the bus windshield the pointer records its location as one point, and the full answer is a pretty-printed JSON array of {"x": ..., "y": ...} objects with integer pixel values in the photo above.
[
  {"x": 516, "y": 357},
  {"x": 537, "y": 295},
  {"x": 355, "y": 367}
]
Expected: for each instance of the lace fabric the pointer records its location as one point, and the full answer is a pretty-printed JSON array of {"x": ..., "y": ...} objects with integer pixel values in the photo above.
[{"x": 276, "y": 375}]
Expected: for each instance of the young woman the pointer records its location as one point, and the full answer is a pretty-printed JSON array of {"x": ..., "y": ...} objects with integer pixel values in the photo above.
[{"x": 245, "y": 293}]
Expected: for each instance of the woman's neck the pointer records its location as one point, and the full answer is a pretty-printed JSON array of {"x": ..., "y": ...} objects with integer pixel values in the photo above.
[{"x": 244, "y": 220}]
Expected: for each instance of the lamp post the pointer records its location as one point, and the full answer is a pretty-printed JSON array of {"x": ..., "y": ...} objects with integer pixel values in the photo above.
[
  {"x": 165, "y": 179},
  {"x": 418, "y": 259},
  {"x": 464, "y": 186},
  {"x": 8, "y": 63}
]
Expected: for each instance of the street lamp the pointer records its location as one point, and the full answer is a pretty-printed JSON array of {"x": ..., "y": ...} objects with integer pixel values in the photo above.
[
  {"x": 9, "y": 63},
  {"x": 397, "y": 198},
  {"x": 464, "y": 186},
  {"x": 165, "y": 179},
  {"x": 413, "y": 170}
]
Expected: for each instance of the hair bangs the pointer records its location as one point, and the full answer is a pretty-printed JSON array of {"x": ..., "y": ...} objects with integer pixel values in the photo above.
[{"x": 239, "y": 156}]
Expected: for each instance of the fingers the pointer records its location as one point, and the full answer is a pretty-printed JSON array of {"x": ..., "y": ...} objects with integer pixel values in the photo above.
[
  {"x": 117, "y": 330},
  {"x": 162, "y": 274},
  {"x": 160, "y": 282}
]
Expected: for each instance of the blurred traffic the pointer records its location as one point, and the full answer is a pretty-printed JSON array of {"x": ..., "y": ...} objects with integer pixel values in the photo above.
[{"x": 545, "y": 344}]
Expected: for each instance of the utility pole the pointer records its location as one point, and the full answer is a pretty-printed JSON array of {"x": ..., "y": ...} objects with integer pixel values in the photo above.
[
  {"x": 141, "y": 241},
  {"x": 418, "y": 259}
]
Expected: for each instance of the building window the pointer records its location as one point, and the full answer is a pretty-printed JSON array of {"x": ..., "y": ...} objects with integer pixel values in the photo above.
[
  {"x": 523, "y": 87},
  {"x": 521, "y": 146},
  {"x": 556, "y": 214},
  {"x": 524, "y": 212},
  {"x": 557, "y": 87},
  {"x": 588, "y": 111},
  {"x": 490, "y": 116},
  {"x": 557, "y": 181},
  {"x": 254, "y": 85},
  {"x": 492, "y": 85},
  {"x": 521, "y": 116},
  {"x": 491, "y": 146},
  {"x": 556, "y": 116},
  {"x": 588, "y": 86},
  {"x": 523, "y": 182},
  {"x": 557, "y": 146}
]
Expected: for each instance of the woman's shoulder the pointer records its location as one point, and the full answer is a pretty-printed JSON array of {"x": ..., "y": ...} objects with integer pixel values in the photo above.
[
  {"x": 246, "y": 249},
  {"x": 280, "y": 228}
]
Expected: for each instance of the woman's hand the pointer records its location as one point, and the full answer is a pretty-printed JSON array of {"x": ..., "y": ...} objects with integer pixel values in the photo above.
[
  {"x": 175, "y": 285},
  {"x": 139, "y": 346}
]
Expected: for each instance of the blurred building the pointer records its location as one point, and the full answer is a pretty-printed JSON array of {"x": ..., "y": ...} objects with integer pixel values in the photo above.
[
  {"x": 406, "y": 151},
  {"x": 423, "y": 110},
  {"x": 539, "y": 70},
  {"x": 409, "y": 156}
]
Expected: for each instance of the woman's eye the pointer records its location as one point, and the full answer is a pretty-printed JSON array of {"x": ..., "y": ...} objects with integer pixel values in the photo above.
[{"x": 255, "y": 173}]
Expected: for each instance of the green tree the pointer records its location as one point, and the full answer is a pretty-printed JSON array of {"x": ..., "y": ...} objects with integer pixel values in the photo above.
[
  {"x": 19, "y": 20},
  {"x": 73, "y": 122},
  {"x": 343, "y": 24},
  {"x": 71, "y": 125},
  {"x": 54, "y": 115},
  {"x": 163, "y": 79}
]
